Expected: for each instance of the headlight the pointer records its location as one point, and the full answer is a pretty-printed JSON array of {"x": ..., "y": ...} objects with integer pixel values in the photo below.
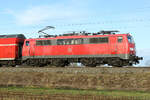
[{"x": 131, "y": 49}]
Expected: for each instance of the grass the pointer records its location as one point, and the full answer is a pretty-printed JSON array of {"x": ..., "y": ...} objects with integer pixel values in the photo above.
[
  {"x": 118, "y": 81},
  {"x": 45, "y": 91},
  {"x": 58, "y": 83}
]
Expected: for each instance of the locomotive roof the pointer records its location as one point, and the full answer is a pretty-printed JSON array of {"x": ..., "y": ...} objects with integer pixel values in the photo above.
[
  {"x": 13, "y": 36},
  {"x": 79, "y": 36}
]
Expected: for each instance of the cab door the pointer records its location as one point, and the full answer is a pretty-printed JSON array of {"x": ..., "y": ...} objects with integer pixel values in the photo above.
[
  {"x": 29, "y": 48},
  {"x": 32, "y": 48},
  {"x": 26, "y": 49}
]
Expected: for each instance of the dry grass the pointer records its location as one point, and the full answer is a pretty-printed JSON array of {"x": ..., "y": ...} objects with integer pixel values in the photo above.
[{"x": 119, "y": 81}]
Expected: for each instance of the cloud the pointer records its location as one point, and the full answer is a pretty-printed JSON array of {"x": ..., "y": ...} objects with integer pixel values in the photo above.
[
  {"x": 47, "y": 13},
  {"x": 145, "y": 53},
  {"x": 32, "y": 15}
]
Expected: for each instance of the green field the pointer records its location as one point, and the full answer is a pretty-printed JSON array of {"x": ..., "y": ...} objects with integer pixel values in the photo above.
[{"x": 46, "y": 91}]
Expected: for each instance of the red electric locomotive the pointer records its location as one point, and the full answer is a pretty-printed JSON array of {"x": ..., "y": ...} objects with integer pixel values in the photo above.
[{"x": 92, "y": 50}]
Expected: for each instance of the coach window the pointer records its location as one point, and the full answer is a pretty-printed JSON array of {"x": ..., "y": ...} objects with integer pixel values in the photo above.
[
  {"x": 27, "y": 43},
  {"x": 120, "y": 39}
]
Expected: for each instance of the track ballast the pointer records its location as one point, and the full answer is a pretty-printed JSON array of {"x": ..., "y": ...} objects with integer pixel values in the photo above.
[{"x": 75, "y": 70}]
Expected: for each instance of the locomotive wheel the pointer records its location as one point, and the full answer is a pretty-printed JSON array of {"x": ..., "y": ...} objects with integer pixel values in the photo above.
[
  {"x": 130, "y": 64},
  {"x": 40, "y": 65},
  {"x": 88, "y": 62},
  {"x": 13, "y": 65},
  {"x": 91, "y": 65},
  {"x": 116, "y": 63},
  {"x": 59, "y": 63}
]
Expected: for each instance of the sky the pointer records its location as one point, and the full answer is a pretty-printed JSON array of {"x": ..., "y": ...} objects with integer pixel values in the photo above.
[{"x": 128, "y": 16}]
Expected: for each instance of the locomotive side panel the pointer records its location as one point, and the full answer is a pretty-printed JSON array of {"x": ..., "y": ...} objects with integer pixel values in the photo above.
[
  {"x": 113, "y": 46},
  {"x": 65, "y": 50},
  {"x": 109, "y": 48}
]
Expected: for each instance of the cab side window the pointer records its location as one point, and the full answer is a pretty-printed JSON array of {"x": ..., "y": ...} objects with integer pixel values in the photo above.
[
  {"x": 27, "y": 43},
  {"x": 120, "y": 39}
]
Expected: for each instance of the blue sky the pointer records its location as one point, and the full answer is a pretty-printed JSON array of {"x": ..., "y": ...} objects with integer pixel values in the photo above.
[{"x": 128, "y": 16}]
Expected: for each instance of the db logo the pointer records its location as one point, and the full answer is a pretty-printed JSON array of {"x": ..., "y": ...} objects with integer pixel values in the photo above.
[{"x": 69, "y": 49}]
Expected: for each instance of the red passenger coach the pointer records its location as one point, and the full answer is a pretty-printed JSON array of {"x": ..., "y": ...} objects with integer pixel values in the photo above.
[
  {"x": 89, "y": 49},
  {"x": 11, "y": 49}
]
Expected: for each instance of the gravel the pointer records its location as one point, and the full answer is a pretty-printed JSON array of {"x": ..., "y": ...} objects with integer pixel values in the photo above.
[{"x": 77, "y": 70}]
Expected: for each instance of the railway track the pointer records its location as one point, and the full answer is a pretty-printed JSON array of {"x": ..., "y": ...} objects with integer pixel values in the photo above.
[{"x": 75, "y": 70}]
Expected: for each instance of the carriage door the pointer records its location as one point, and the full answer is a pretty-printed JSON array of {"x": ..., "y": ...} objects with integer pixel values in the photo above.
[
  {"x": 20, "y": 45},
  {"x": 113, "y": 45}
]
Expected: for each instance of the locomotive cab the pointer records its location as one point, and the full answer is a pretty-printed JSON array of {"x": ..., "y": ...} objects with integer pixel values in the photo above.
[
  {"x": 131, "y": 44},
  {"x": 132, "y": 50}
]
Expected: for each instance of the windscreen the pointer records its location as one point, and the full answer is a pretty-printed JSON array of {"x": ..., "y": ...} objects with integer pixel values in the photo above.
[{"x": 130, "y": 39}]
